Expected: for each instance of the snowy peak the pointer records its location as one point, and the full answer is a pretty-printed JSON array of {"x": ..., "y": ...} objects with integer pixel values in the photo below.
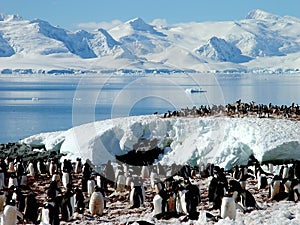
[
  {"x": 140, "y": 25},
  {"x": 111, "y": 42},
  {"x": 258, "y": 14},
  {"x": 220, "y": 50}
]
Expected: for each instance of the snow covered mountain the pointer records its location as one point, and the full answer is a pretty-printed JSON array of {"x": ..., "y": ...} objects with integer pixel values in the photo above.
[
  {"x": 260, "y": 42},
  {"x": 219, "y": 49}
]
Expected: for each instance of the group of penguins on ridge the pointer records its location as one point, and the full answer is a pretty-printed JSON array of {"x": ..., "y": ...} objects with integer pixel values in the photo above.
[{"x": 176, "y": 193}]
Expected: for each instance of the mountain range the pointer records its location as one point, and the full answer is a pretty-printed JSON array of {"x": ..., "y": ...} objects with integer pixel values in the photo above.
[{"x": 260, "y": 43}]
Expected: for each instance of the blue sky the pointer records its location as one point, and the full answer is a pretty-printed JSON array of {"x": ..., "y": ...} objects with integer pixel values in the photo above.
[{"x": 69, "y": 13}]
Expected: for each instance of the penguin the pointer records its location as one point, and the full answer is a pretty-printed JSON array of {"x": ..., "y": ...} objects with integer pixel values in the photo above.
[
  {"x": 145, "y": 172},
  {"x": 98, "y": 181},
  {"x": 67, "y": 205},
  {"x": 228, "y": 208},
  {"x": 40, "y": 166},
  {"x": 160, "y": 203},
  {"x": 285, "y": 172},
  {"x": 48, "y": 213},
  {"x": 2, "y": 179},
  {"x": 96, "y": 204},
  {"x": 190, "y": 199},
  {"x": 181, "y": 206},
  {"x": 217, "y": 188},
  {"x": 157, "y": 205},
  {"x": 297, "y": 169},
  {"x": 271, "y": 167},
  {"x": 31, "y": 208},
  {"x": 128, "y": 182},
  {"x": 78, "y": 166},
  {"x": 47, "y": 166},
  {"x": 56, "y": 177},
  {"x": 241, "y": 194},
  {"x": 30, "y": 169},
  {"x": 11, "y": 167},
  {"x": 137, "y": 193},
  {"x": 12, "y": 181},
  {"x": 160, "y": 170},
  {"x": 90, "y": 187},
  {"x": 11, "y": 214},
  {"x": 262, "y": 181},
  {"x": 52, "y": 168},
  {"x": 79, "y": 204},
  {"x": 24, "y": 180},
  {"x": 294, "y": 191},
  {"x": 65, "y": 179},
  {"x": 121, "y": 182},
  {"x": 276, "y": 189},
  {"x": 153, "y": 178}
]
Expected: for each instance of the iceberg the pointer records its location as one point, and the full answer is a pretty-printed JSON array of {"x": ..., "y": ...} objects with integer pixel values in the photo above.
[{"x": 221, "y": 140}]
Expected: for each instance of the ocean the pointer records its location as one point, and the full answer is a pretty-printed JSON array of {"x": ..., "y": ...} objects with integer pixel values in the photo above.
[{"x": 31, "y": 104}]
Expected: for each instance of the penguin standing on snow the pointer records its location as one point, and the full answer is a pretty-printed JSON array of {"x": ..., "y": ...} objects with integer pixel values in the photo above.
[
  {"x": 31, "y": 209},
  {"x": 145, "y": 173},
  {"x": 30, "y": 169},
  {"x": 2, "y": 179},
  {"x": 78, "y": 166},
  {"x": 153, "y": 177},
  {"x": 91, "y": 186},
  {"x": 79, "y": 201},
  {"x": 86, "y": 174},
  {"x": 160, "y": 203},
  {"x": 66, "y": 208},
  {"x": 52, "y": 167},
  {"x": 96, "y": 204},
  {"x": 228, "y": 208},
  {"x": 192, "y": 198},
  {"x": 65, "y": 179},
  {"x": 109, "y": 173},
  {"x": 11, "y": 214},
  {"x": 217, "y": 188},
  {"x": 121, "y": 182},
  {"x": 49, "y": 214},
  {"x": 137, "y": 194},
  {"x": 276, "y": 189},
  {"x": 40, "y": 167}
]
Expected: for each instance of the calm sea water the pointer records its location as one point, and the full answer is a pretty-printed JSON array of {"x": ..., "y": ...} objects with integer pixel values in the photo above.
[{"x": 35, "y": 104}]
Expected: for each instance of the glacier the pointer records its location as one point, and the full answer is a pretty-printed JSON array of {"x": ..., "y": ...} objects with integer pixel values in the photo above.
[{"x": 195, "y": 140}]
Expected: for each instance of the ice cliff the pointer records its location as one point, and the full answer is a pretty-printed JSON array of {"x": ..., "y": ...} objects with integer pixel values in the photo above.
[{"x": 221, "y": 140}]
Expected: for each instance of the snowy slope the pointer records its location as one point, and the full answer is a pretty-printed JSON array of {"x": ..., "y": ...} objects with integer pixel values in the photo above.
[
  {"x": 220, "y": 50},
  {"x": 221, "y": 140},
  {"x": 260, "y": 42}
]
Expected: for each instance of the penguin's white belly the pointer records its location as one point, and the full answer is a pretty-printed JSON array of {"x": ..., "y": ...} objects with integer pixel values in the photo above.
[
  {"x": 157, "y": 203},
  {"x": 65, "y": 179},
  {"x": 228, "y": 208}
]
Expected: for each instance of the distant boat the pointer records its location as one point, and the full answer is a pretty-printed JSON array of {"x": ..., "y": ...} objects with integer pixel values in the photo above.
[{"x": 194, "y": 90}]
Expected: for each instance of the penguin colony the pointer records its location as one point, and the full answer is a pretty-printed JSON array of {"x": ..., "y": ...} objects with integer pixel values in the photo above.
[{"x": 51, "y": 191}]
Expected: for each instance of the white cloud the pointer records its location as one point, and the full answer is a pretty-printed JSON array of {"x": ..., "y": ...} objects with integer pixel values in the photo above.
[
  {"x": 94, "y": 25},
  {"x": 159, "y": 23}
]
